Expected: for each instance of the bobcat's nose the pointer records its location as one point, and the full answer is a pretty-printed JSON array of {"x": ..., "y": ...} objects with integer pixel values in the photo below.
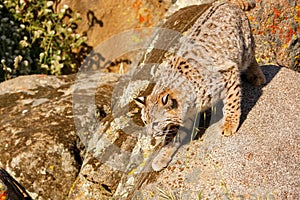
[
  {"x": 155, "y": 130},
  {"x": 154, "y": 124}
]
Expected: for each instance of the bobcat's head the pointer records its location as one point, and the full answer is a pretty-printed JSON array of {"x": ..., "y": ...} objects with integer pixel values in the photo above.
[{"x": 160, "y": 113}]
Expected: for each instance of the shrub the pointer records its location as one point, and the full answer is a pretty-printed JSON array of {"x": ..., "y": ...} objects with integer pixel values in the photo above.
[{"x": 35, "y": 39}]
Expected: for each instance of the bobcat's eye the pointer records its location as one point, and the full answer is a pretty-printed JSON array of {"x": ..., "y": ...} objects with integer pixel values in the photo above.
[
  {"x": 169, "y": 102},
  {"x": 165, "y": 99}
]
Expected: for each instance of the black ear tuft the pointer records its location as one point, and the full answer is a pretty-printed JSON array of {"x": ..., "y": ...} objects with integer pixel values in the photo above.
[
  {"x": 140, "y": 101},
  {"x": 165, "y": 99}
]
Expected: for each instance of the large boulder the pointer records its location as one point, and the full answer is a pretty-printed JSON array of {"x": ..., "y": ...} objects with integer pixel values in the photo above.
[
  {"x": 103, "y": 19},
  {"x": 39, "y": 145}
]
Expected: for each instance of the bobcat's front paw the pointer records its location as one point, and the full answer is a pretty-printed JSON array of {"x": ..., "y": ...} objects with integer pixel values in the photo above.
[
  {"x": 229, "y": 128},
  {"x": 160, "y": 162},
  {"x": 164, "y": 157}
]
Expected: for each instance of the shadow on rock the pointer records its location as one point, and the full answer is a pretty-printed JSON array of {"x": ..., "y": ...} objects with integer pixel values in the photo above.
[{"x": 251, "y": 93}]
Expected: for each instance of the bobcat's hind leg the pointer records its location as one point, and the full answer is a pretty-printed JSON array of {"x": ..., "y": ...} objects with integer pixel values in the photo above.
[{"x": 254, "y": 74}]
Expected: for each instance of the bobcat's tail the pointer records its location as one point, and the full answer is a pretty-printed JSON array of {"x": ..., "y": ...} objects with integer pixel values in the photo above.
[{"x": 245, "y": 5}]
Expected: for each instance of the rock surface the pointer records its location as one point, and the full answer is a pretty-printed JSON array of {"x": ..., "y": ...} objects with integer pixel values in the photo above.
[
  {"x": 103, "y": 19},
  {"x": 37, "y": 134}
]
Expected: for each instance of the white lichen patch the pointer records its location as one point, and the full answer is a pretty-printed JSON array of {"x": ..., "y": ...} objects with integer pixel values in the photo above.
[
  {"x": 119, "y": 123},
  {"x": 139, "y": 157},
  {"x": 39, "y": 101},
  {"x": 67, "y": 162},
  {"x": 18, "y": 159}
]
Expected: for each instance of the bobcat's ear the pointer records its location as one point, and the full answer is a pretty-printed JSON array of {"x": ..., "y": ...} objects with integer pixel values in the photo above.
[{"x": 140, "y": 101}]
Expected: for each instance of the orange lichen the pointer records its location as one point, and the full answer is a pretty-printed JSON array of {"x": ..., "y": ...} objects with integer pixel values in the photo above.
[
  {"x": 277, "y": 13},
  {"x": 3, "y": 195},
  {"x": 297, "y": 15},
  {"x": 137, "y": 4},
  {"x": 290, "y": 34},
  {"x": 278, "y": 23},
  {"x": 144, "y": 18},
  {"x": 143, "y": 15},
  {"x": 251, "y": 18}
]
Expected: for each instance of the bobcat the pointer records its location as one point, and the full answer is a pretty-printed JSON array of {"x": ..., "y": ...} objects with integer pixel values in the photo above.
[{"x": 206, "y": 69}]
